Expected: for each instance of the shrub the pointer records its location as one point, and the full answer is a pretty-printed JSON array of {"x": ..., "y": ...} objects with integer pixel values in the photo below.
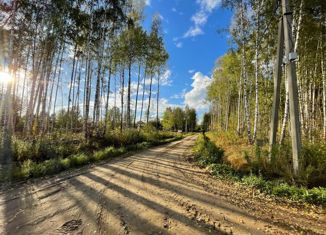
[
  {"x": 223, "y": 171},
  {"x": 313, "y": 165},
  {"x": 282, "y": 189},
  {"x": 312, "y": 162},
  {"x": 22, "y": 150},
  {"x": 65, "y": 163},
  {"x": 79, "y": 160},
  {"x": 56, "y": 152},
  {"x": 206, "y": 152},
  {"x": 107, "y": 153}
]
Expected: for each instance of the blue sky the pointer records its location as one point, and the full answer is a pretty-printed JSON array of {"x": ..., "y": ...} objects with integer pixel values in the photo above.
[{"x": 193, "y": 43}]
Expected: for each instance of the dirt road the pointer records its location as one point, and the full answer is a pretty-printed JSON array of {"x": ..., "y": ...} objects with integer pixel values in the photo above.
[{"x": 156, "y": 191}]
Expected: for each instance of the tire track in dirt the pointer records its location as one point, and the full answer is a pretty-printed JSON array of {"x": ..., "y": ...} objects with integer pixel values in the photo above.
[{"x": 155, "y": 191}]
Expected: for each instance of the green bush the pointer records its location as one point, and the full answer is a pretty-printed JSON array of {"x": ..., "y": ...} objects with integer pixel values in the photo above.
[
  {"x": 22, "y": 150},
  {"x": 127, "y": 137},
  {"x": 107, "y": 153},
  {"x": 206, "y": 152},
  {"x": 313, "y": 165},
  {"x": 53, "y": 153},
  {"x": 312, "y": 162},
  {"x": 282, "y": 189},
  {"x": 42, "y": 148},
  {"x": 65, "y": 163},
  {"x": 223, "y": 171},
  {"x": 79, "y": 160}
]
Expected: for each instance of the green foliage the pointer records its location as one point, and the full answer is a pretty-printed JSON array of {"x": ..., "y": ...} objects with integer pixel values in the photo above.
[
  {"x": 79, "y": 159},
  {"x": 264, "y": 172},
  {"x": 71, "y": 119},
  {"x": 312, "y": 170},
  {"x": 41, "y": 148},
  {"x": 313, "y": 164},
  {"x": 168, "y": 119},
  {"x": 179, "y": 119},
  {"x": 206, "y": 152},
  {"x": 32, "y": 162},
  {"x": 127, "y": 137},
  {"x": 223, "y": 171},
  {"x": 281, "y": 189},
  {"x": 37, "y": 149},
  {"x": 32, "y": 169},
  {"x": 107, "y": 153},
  {"x": 206, "y": 121}
]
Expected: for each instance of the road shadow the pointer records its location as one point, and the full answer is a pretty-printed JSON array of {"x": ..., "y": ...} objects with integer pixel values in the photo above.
[{"x": 150, "y": 228}]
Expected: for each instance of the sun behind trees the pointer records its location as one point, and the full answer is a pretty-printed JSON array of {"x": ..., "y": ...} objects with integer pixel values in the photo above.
[{"x": 73, "y": 66}]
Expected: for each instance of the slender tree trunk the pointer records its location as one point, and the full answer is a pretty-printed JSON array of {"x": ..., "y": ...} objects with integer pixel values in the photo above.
[
  {"x": 45, "y": 96},
  {"x": 96, "y": 111},
  {"x": 52, "y": 84},
  {"x": 138, "y": 83},
  {"x": 239, "y": 104},
  {"x": 24, "y": 82},
  {"x": 227, "y": 113},
  {"x": 129, "y": 96},
  {"x": 71, "y": 81},
  {"x": 149, "y": 98},
  {"x": 114, "y": 121},
  {"x": 324, "y": 93},
  {"x": 286, "y": 111},
  {"x": 122, "y": 94},
  {"x": 256, "y": 77},
  {"x": 35, "y": 71},
  {"x": 57, "y": 88},
  {"x": 143, "y": 96},
  {"x": 157, "y": 101},
  {"x": 244, "y": 75},
  {"x": 107, "y": 99},
  {"x": 88, "y": 83}
]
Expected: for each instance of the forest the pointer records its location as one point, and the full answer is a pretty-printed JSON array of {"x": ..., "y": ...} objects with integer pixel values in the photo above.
[
  {"x": 243, "y": 91},
  {"x": 111, "y": 123},
  {"x": 81, "y": 76}
]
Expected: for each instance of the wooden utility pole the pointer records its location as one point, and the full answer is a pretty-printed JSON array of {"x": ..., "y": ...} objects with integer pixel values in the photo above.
[{"x": 285, "y": 26}]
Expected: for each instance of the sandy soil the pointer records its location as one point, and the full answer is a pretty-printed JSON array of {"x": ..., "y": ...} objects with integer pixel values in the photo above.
[{"x": 156, "y": 191}]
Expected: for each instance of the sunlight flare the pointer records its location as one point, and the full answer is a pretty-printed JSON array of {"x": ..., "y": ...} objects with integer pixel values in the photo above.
[{"x": 5, "y": 77}]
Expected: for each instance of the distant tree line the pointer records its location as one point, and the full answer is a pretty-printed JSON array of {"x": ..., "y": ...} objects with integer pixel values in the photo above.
[{"x": 180, "y": 119}]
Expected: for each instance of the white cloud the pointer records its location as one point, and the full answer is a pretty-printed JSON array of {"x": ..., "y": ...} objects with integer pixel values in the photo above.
[
  {"x": 174, "y": 10},
  {"x": 208, "y": 5},
  {"x": 196, "y": 97},
  {"x": 181, "y": 95},
  {"x": 191, "y": 71},
  {"x": 165, "y": 79},
  {"x": 147, "y": 2},
  {"x": 179, "y": 44},
  {"x": 193, "y": 32},
  {"x": 200, "y": 18}
]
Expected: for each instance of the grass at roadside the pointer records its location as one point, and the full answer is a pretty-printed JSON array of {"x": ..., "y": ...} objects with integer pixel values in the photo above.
[
  {"x": 207, "y": 154},
  {"x": 31, "y": 168}
]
